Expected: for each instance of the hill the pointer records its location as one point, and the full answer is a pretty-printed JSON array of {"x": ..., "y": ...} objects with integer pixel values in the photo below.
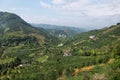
[
  {"x": 98, "y": 39},
  {"x": 59, "y": 31},
  {"x": 30, "y": 53},
  {"x": 16, "y": 30}
]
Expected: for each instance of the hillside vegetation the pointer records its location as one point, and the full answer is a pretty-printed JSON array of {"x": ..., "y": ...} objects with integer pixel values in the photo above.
[
  {"x": 13, "y": 27},
  {"x": 30, "y": 53}
]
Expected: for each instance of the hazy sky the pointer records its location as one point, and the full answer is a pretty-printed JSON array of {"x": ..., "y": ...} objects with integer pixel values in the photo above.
[{"x": 81, "y": 13}]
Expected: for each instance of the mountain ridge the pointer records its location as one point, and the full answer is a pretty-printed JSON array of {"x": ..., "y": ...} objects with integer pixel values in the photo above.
[
  {"x": 56, "y": 30},
  {"x": 105, "y": 37},
  {"x": 13, "y": 25},
  {"x": 30, "y": 53}
]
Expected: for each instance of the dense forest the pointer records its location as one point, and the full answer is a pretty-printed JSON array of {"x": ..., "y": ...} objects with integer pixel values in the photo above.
[{"x": 31, "y": 53}]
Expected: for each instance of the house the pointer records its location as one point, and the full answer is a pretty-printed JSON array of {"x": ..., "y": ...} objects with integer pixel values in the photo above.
[
  {"x": 62, "y": 36},
  {"x": 67, "y": 53},
  {"x": 61, "y": 44},
  {"x": 20, "y": 65},
  {"x": 92, "y": 37}
]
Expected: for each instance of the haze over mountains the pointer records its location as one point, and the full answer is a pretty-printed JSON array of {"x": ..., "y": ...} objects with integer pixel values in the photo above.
[
  {"x": 56, "y": 30},
  {"x": 34, "y": 53},
  {"x": 13, "y": 22}
]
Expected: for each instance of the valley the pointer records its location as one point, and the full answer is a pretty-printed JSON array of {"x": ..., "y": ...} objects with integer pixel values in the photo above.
[{"x": 37, "y": 52}]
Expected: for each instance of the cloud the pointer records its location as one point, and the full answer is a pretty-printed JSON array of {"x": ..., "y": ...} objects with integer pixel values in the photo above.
[
  {"x": 19, "y": 9},
  {"x": 45, "y": 5},
  {"x": 1, "y": 9},
  {"x": 58, "y": 1},
  {"x": 83, "y": 13},
  {"x": 40, "y": 19},
  {"x": 88, "y": 7}
]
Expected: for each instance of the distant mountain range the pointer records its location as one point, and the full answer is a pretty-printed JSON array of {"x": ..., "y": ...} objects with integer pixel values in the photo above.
[
  {"x": 41, "y": 53},
  {"x": 15, "y": 30},
  {"x": 58, "y": 31}
]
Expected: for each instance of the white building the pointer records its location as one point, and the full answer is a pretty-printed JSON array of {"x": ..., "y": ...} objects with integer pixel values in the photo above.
[{"x": 92, "y": 37}]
